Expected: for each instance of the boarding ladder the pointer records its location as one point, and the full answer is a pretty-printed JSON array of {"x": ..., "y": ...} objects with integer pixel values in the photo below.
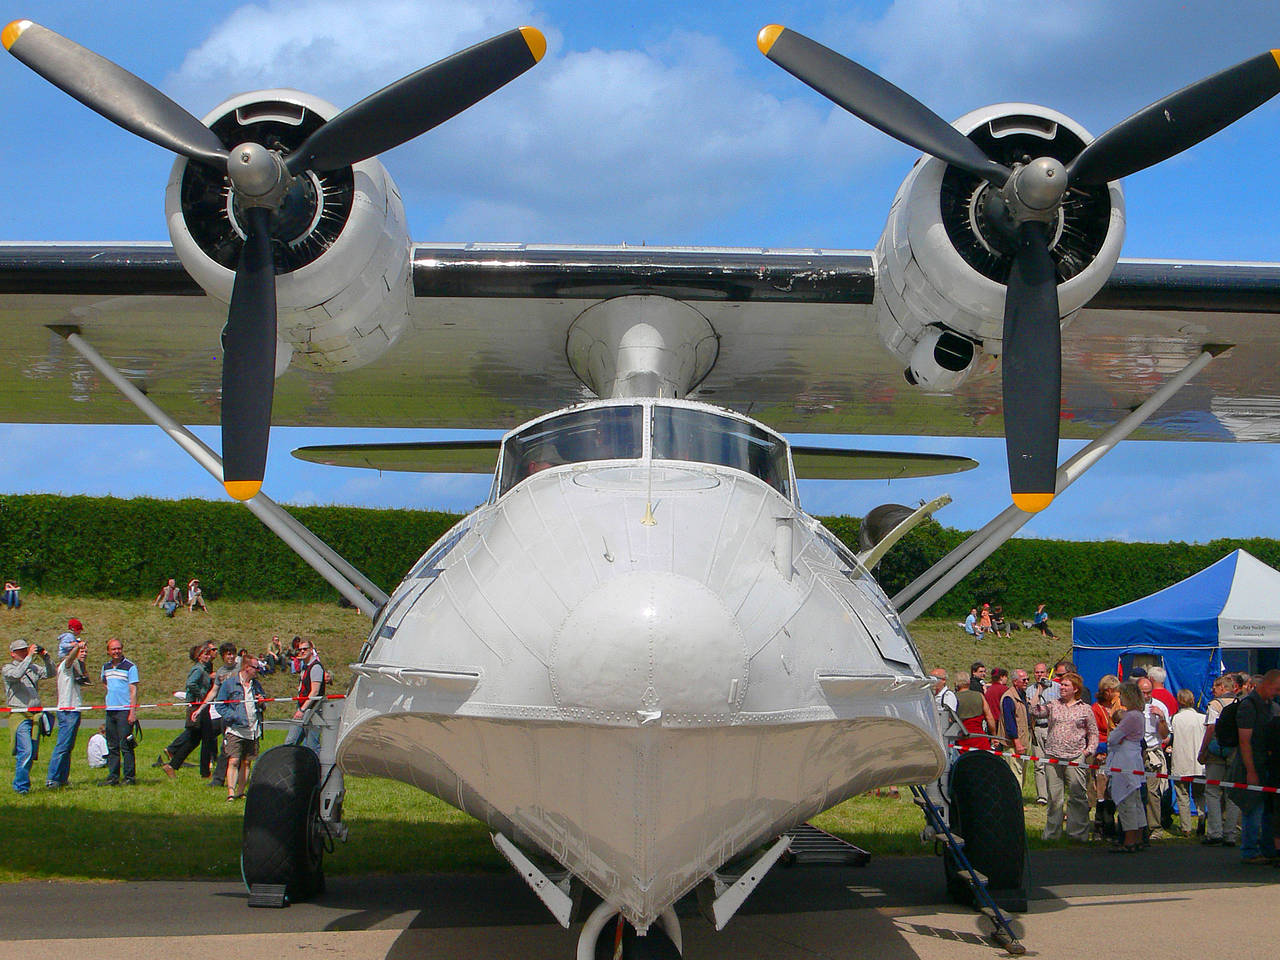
[{"x": 1002, "y": 932}]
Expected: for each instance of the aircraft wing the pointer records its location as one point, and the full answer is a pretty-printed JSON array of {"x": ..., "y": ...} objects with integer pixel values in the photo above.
[{"x": 485, "y": 346}]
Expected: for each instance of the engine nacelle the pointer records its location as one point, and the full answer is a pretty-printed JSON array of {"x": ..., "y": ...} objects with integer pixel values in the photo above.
[
  {"x": 941, "y": 268},
  {"x": 344, "y": 274}
]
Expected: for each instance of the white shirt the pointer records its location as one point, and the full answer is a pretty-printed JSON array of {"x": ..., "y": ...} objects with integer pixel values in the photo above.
[
  {"x": 1188, "y": 729},
  {"x": 68, "y": 689},
  {"x": 1152, "y": 712},
  {"x": 97, "y": 750},
  {"x": 946, "y": 698}
]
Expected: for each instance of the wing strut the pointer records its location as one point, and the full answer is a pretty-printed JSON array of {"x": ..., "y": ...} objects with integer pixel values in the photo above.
[
  {"x": 363, "y": 593},
  {"x": 925, "y": 590}
]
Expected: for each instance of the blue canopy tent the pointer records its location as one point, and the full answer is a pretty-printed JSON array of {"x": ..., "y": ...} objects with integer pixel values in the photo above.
[{"x": 1230, "y": 611}]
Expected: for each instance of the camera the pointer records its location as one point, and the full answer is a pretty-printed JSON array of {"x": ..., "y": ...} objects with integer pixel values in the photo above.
[{"x": 40, "y": 651}]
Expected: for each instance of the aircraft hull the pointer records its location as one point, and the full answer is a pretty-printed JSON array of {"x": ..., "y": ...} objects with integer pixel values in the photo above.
[
  {"x": 642, "y": 814},
  {"x": 642, "y": 672}
]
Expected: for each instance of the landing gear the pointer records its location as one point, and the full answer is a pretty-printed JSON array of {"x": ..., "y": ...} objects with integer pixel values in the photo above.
[
  {"x": 607, "y": 936},
  {"x": 284, "y": 839},
  {"x": 986, "y": 810}
]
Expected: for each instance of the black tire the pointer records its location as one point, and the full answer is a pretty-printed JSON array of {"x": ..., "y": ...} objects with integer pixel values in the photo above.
[
  {"x": 655, "y": 945},
  {"x": 282, "y": 842},
  {"x": 986, "y": 810}
]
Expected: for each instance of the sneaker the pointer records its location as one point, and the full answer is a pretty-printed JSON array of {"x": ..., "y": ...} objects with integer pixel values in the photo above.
[
  {"x": 130, "y": 782},
  {"x": 109, "y": 782},
  {"x": 1256, "y": 861},
  {"x": 168, "y": 771},
  {"x": 1211, "y": 842},
  {"x": 1041, "y": 802}
]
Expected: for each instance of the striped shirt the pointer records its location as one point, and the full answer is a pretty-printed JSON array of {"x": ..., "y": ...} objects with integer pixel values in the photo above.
[{"x": 118, "y": 677}]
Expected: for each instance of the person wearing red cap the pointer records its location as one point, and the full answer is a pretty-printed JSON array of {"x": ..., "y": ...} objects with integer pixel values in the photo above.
[{"x": 70, "y": 638}]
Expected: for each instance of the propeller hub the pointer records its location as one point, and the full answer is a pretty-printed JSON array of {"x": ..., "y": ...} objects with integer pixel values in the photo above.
[
  {"x": 1035, "y": 190},
  {"x": 257, "y": 175}
]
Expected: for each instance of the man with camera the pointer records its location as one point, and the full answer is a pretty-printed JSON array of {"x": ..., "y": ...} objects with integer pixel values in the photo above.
[
  {"x": 71, "y": 675},
  {"x": 21, "y": 674},
  {"x": 120, "y": 677}
]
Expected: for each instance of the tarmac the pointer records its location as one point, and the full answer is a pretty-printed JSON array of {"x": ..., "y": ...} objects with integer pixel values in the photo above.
[{"x": 1182, "y": 899}]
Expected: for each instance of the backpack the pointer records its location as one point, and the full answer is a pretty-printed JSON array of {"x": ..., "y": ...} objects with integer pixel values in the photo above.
[{"x": 1226, "y": 731}]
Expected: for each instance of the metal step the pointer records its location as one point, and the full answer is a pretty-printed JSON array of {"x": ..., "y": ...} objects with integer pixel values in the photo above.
[{"x": 813, "y": 847}]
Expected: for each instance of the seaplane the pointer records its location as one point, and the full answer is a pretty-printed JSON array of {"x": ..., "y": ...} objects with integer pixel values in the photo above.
[{"x": 639, "y": 662}]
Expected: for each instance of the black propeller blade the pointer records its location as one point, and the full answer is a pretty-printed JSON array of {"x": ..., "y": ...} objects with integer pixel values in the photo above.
[
  {"x": 259, "y": 179},
  {"x": 1179, "y": 121},
  {"x": 1032, "y": 370},
  {"x": 249, "y": 361},
  {"x": 1032, "y": 352},
  {"x": 113, "y": 92},
  {"x": 876, "y": 100},
  {"x": 414, "y": 104}
]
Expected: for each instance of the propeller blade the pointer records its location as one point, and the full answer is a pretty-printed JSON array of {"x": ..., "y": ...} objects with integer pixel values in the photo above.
[
  {"x": 1179, "y": 121},
  {"x": 1032, "y": 367},
  {"x": 877, "y": 101},
  {"x": 113, "y": 92},
  {"x": 416, "y": 103},
  {"x": 249, "y": 362}
]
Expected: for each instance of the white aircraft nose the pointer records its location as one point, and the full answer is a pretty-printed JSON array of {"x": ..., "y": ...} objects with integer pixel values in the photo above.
[{"x": 652, "y": 645}]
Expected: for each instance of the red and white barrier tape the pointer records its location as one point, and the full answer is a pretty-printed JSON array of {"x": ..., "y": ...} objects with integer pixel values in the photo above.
[
  {"x": 1139, "y": 773},
  {"x": 173, "y": 703}
]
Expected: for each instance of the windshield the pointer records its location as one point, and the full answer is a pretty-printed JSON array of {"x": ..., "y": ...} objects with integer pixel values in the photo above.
[
  {"x": 602, "y": 433},
  {"x": 681, "y": 433}
]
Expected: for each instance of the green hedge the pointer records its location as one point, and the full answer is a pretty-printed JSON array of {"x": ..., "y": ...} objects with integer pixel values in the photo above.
[{"x": 102, "y": 546}]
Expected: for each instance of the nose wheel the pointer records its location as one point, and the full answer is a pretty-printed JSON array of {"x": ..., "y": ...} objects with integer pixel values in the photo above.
[{"x": 607, "y": 935}]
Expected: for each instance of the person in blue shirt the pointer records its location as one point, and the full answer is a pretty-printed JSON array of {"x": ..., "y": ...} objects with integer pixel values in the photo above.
[{"x": 120, "y": 677}]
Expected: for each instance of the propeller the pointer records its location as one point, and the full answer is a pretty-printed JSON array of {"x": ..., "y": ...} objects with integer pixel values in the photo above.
[
  {"x": 260, "y": 179},
  {"x": 1023, "y": 202}
]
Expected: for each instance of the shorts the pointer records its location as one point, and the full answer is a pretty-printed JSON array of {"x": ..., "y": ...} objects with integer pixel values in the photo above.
[{"x": 240, "y": 749}]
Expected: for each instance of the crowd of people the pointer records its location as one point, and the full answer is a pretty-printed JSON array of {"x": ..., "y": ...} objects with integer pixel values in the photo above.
[
  {"x": 225, "y": 707},
  {"x": 1103, "y": 759}
]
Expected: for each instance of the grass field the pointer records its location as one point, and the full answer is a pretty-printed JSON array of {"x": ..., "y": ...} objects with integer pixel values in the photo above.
[{"x": 183, "y": 828}]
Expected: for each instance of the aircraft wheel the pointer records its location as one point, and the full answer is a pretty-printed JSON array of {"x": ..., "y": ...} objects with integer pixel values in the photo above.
[
  {"x": 283, "y": 839},
  {"x": 606, "y": 935},
  {"x": 986, "y": 810}
]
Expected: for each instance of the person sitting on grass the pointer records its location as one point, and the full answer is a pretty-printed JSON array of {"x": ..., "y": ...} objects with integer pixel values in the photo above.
[
  {"x": 169, "y": 597},
  {"x": 195, "y": 597},
  {"x": 1041, "y": 622},
  {"x": 11, "y": 599},
  {"x": 970, "y": 624}
]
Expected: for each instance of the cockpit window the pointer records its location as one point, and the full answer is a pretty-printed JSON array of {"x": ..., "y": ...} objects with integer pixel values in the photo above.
[
  {"x": 601, "y": 433},
  {"x": 682, "y": 433}
]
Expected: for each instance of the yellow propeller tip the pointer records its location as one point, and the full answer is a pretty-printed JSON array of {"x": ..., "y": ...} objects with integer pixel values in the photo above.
[
  {"x": 1032, "y": 502},
  {"x": 536, "y": 41},
  {"x": 10, "y": 34},
  {"x": 243, "y": 489},
  {"x": 1276, "y": 54},
  {"x": 766, "y": 38}
]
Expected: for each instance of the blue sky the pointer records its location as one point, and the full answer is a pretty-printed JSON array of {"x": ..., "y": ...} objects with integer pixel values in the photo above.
[{"x": 661, "y": 123}]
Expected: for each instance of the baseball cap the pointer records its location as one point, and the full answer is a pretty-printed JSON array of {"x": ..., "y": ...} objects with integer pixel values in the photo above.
[
  {"x": 74, "y": 624},
  {"x": 17, "y": 645}
]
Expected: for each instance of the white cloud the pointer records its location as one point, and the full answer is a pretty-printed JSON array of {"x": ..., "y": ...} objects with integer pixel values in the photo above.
[
  {"x": 338, "y": 50},
  {"x": 592, "y": 145},
  {"x": 1096, "y": 60}
]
